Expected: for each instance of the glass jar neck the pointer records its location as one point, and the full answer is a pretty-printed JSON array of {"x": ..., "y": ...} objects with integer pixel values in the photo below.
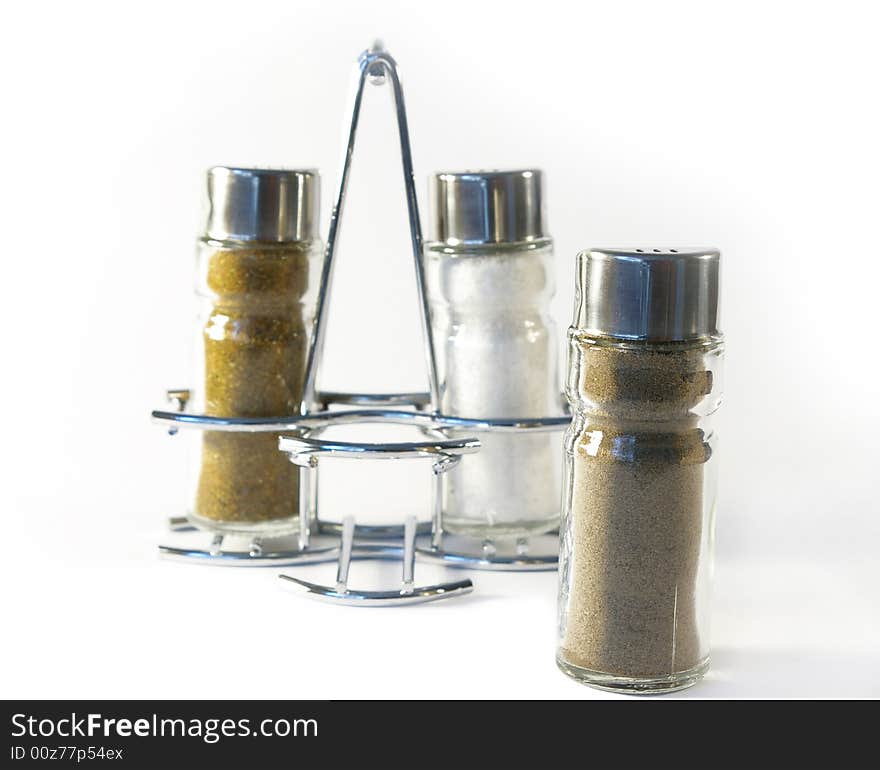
[{"x": 481, "y": 248}]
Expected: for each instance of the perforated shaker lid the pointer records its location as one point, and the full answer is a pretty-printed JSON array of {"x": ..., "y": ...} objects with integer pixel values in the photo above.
[
  {"x": 648, "y": 293},
  {"x": 487, "y": 207},
  {"x": 269, "y": 205}
]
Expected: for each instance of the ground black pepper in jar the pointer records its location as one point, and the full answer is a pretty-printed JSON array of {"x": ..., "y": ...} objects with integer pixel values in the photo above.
[{"x": 638, "y": 512}]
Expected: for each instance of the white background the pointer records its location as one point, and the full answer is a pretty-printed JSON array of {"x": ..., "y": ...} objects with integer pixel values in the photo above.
[{"x": 749, "y": 126}]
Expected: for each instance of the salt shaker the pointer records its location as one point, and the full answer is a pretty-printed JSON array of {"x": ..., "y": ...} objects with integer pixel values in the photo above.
[
  {"x": 489, "y": 278},
  {"x": 257, "y": 275},
  {"x": 644, "y": 381}
]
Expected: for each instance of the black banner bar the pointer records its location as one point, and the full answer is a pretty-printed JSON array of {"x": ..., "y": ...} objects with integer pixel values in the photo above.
[{"x": 144, "y": 733}]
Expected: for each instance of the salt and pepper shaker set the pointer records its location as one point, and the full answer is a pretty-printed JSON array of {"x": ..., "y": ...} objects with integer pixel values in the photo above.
[{"x": 636, "y": 471}]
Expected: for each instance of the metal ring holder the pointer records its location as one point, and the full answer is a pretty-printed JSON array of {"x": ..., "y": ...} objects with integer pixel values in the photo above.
[{"x": 304, "y": 445}]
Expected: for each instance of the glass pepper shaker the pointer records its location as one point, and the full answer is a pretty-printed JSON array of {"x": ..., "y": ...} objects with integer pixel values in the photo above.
[
  {"x": 489, "y": 277},
  {"x": 257, "y": 273},
  {"x": 644, "y": 381}
]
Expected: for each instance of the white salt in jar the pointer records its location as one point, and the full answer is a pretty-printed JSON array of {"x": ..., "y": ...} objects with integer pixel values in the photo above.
[{"x": 489, "y": 275}]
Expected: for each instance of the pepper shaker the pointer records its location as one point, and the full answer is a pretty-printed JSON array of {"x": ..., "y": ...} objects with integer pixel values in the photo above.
[
  {"x": 257, "y": 274},
  {"x": 644, "y": 381},
  {"x": 489, "y": 278}
]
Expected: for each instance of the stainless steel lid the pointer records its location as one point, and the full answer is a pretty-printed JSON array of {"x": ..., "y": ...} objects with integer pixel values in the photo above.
[
  {"x": 486, "y": 207},
  {"x": 271, "y": 205},
  {"x": 648, "y": 294}
]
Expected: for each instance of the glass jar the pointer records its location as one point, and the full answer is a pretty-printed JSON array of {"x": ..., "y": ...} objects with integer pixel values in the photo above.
[
  {"x": 489, "y": 277},
  {"x": 258, "y": 265},
  {"x": 644, "y": 381}
]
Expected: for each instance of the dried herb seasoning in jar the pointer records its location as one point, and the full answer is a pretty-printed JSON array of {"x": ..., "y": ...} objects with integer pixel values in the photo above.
[
  {"x": 638, "y": 512},
  {"x": 257, "y": 267}
]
